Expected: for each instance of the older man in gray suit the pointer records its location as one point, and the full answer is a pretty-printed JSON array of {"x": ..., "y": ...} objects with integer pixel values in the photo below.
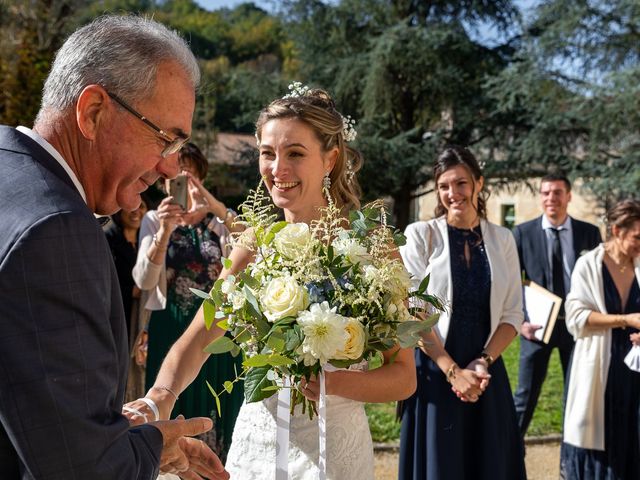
[{"x": 63, "y": 339}]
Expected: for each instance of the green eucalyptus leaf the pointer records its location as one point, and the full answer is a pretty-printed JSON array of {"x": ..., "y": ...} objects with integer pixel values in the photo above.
[
  {"x": 259, "y": 360},
  {"x": 199, "y": 293},
  {"x": 215, "y": 395},
  {"x": 271, "y": 388},
  {"x": 209, "y": 310},
  {"x": 228, "y": 386},
  {"x": 252, "y": 303},
  {"x": 276, "y": 341},
  {"x": 243, "y": 336},
  {"x": 226, "y": 263},
  {"x": 220, "y": 345},
  {"x": 293, "y": 338},
  {"x": 249, "y": 280},
  {"x": 399, "y": 238}
]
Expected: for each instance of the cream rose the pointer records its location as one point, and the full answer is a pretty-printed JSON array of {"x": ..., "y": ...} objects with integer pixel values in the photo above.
[
  {"x": 290, "y": 241},
  {"x": 283, "y": 297},
  {"x": 354, "y": 346},
  {"x": 401, "y": 281}
]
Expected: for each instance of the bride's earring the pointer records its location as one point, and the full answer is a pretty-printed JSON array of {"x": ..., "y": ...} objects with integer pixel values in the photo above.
[{"x": 326, "y": 188}]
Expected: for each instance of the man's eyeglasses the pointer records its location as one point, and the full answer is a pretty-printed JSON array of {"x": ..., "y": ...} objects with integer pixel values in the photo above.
[{"x": 173, "y": 145}]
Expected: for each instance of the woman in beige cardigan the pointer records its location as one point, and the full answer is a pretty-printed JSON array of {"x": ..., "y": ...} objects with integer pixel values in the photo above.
[{"x": 602, "y": 422}]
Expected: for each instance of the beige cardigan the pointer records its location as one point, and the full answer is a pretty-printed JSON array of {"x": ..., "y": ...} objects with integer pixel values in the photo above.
[
  {"x": 584, "y": 410},
  {"x": 427, "y": 252}
]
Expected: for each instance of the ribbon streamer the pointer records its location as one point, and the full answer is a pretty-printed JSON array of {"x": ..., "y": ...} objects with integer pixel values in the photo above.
[
  {"x": 283, "y": 420},
  {"x": 322, "y": 429}
]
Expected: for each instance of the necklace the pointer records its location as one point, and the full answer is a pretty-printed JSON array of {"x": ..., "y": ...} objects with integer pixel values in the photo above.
[{"x": 624, "y": 263}]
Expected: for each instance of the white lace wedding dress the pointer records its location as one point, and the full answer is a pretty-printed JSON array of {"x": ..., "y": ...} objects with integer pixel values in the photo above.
[{"x": 349, "y": 448}]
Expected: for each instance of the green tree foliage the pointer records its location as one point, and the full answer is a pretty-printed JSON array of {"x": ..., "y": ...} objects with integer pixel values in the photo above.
[
  {"x": 572, "y": 95},
  {"x": 413, "y": 75},
  {"x": 30, "y": 33}
]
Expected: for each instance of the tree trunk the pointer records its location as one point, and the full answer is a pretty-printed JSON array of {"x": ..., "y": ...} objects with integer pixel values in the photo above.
[{"x": 401, "y": 209}]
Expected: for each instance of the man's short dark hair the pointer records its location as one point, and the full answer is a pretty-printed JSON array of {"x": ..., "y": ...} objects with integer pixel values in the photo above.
[{"x": 557, "y": 177}]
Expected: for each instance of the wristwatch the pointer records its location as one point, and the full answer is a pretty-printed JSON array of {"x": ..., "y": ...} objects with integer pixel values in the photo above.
[{"x": 487, "y": 358}]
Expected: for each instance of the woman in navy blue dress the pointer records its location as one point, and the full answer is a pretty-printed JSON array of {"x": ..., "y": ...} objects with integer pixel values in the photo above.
[
  {"x": 460, "y": 424},
  {"x": 602, "y": 416}
]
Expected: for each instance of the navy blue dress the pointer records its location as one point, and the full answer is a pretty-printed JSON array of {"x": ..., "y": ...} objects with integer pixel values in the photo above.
[
  {"x": 620, "y": 459},
  {"x": 441, "y": 436}
]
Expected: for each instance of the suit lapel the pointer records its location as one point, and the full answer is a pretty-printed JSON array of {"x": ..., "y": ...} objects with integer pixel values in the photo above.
[{"x": 578, "y": 238}]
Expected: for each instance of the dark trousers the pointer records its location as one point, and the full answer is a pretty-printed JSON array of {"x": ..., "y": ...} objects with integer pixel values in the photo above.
[{"x": 534, "y": 360}]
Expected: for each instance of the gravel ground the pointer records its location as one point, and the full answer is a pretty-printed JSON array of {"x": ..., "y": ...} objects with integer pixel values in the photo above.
[{"x": 542, "y": 461}]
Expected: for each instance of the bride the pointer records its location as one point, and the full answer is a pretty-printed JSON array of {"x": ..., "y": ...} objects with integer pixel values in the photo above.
[{"x": 302, "y": 141}]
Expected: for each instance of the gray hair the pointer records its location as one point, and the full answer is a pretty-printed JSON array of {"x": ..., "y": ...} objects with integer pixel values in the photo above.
[{"x": 121, "y": 53}]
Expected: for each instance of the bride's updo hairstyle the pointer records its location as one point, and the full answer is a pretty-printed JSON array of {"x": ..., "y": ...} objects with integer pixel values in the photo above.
[
  {"x": 452, "y": 156},
  {"x": 318, "y": 110}
]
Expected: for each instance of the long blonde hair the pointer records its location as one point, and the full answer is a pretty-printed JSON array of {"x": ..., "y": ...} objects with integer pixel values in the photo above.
[{"x": 317, "y": 109}]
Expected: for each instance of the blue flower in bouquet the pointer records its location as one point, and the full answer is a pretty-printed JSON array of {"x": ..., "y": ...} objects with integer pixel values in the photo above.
[{"x": 316, "y": 292}]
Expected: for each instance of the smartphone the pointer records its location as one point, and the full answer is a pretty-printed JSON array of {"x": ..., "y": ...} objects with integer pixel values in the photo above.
[{"x": 178, "y": 190}]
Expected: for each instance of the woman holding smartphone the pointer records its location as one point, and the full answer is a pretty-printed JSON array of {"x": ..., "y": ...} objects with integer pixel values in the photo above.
[{"x": 181, "y": 246}]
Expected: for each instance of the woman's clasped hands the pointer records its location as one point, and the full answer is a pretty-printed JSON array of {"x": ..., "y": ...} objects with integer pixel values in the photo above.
[{"x": 470, "y": 383}]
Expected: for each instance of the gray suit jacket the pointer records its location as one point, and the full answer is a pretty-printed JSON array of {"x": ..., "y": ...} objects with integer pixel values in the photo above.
[{"x": 63, "y": 338}]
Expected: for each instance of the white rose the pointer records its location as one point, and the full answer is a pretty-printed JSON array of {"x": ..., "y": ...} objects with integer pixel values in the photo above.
[
  {"x": 352, "y": 249},
  {"x": 283, "y": 297},
  {"x": 290, "y": 241},
  {"x": 401, "y": 281},
  {"x": 324, "y": 333},
  {"x": 354, "y": 346}
]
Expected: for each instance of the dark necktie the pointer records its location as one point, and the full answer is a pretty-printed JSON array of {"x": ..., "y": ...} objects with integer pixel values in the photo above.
[{"x": 557, "y": 271}]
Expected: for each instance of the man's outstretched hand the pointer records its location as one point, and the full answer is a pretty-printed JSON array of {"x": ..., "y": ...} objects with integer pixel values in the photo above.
[{"x": 189, "y": 458}]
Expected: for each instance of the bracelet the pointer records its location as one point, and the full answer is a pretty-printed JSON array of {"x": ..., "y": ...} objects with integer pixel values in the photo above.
[
  {"x": 229, "y": 215},
  {"x": 156, "y": 242},
  {"x": 451, "y": 372},
  {"x": 164, "y": 387},
  {"x": 487, "y": 358},
  {"x": 152, "y": 405},
  {"x": 624, "y": 321}
]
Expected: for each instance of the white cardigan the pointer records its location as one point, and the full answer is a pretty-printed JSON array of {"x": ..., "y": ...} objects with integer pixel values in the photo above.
[
  {"x": 584, "y": 411},
  {"x": 151, "y": 277},
  {"x": 427, "y": 252}
]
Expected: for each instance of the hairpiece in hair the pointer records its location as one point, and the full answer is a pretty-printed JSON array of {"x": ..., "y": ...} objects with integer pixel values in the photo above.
[
  {"x": 350, "y": 173},
  {"x": 349, "y": 128},
  {"x": 349, "y": 133},
  {"x": 296, "y": 89}
]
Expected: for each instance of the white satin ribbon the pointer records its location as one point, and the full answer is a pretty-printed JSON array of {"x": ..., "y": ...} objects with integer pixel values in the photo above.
[
  {"x": 322, "y": 429},
  {"x": 283, "y": 419}
]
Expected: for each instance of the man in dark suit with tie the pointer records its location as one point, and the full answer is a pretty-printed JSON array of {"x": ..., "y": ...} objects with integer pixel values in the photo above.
[
  {"x": 63, "y": 338},
  {"x": 548, "y": 247}
]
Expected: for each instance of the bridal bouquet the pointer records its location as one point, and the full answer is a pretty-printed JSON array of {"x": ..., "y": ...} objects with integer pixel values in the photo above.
[{"x": 325, "y": 293}]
